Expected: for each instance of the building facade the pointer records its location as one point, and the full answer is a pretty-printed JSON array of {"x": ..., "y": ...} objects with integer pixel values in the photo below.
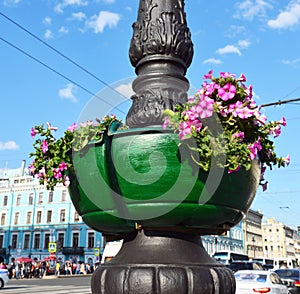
[{"x": 32, "y": 217}]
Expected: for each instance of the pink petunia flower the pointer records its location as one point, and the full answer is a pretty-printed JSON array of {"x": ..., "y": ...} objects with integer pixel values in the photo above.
[
  {"x": 63, "y": 166},
  {"x": 57, "y": 173},
  {"x": 230, "y": 171},
  {"x": 283, "y": 121},
  {"x": 226, "y": 75},
  {"x": 244, "y": 112},
  {"x": 287, "y": 159},
  {"x": 227, "y": 92},
  {"x": 72, "y": 128},
  {"x": 208, "y": 75},
  {"x": 239, "y": 136},
  {"x": 44, "y": 146},
  {"x": 206, "y": 107},
  {"x": 50, "y": 127},
  {"x": 166, "y": 122},
  {"x": 33, "y": 132},
  {"x": 265, "y": 186},
  {"x": 66, "y": 181}
]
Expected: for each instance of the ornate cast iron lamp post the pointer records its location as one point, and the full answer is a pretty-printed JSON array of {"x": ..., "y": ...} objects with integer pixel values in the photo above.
[{"x": 157, "y": 210}]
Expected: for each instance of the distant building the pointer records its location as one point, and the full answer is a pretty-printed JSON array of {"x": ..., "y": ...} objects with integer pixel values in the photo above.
[
  {"x": 253, "y": 239},
  {"x": 31, "y": 217}
]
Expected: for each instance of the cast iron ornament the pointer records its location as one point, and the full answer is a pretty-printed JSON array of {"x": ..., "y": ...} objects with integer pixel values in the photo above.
[{"x": 161, "y": 51}]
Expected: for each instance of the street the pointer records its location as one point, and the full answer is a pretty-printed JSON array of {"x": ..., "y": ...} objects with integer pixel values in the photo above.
[{"x": 64, "y": 285}]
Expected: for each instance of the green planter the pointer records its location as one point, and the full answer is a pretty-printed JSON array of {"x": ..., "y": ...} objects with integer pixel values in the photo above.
[{"x": 140, "y": 176}]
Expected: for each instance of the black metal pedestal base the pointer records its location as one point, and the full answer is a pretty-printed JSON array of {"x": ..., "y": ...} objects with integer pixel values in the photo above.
[{"x": 160, "y": 263}]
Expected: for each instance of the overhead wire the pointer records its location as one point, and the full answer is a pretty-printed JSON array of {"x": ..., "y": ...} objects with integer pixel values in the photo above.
[
  {"x": 60, "y": 74},
  {"x": 61, "y": 54}
]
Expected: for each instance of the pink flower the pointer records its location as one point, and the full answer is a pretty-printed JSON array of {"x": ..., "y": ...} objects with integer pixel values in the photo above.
[
  {"x": 66, "y": 181},
  {"x": 227, "y": 92},
  {"x": 31, "y": 168},
  {"x": 208, "y": 75},
  {"x": 50, "y": 127},
  {"x": 230, "y": 171},
  {"x": 248, "y": 91},
  {"x": 239, "y": 135},
  {"x": 244, "y": 112},
  {"x": 166, "y": 122},
  {"x": 226, "y": 75},
  {"x": 33, "y": 132},
  {"x": 242, "y": 78},
  {"x": 63, "y": 166},
  {"x": 42, "y": 173},
  {"x": 184, "y": 129},
  {"x": 72, "y": 128},
  {"x": 276, "y": 131},
  {"x": 287, "y": 159},
  {"x": 282, "y": 121},
  {"x": 265, "y": 186},
  {"x": 254, "y": 148},
  {"x": 44, "y": 146},
  {"x": 235, "y": 108},
  {"x": 205, "y": 107},
  {"x": 57, "y": 173}
]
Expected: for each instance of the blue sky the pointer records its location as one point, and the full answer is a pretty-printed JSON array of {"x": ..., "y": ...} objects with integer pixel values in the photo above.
[{"x": 259, "y": 38}]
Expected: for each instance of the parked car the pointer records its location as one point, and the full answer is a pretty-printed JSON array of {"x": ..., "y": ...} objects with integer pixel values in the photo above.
[
  {"x": 259, "y": 281},
  {"x": 3, "y": 277},
  {"x": 245, "y": 265},
  {"x": 292, "y": 277}
]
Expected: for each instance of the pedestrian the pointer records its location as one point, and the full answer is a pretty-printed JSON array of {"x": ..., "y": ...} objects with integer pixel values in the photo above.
[{"x": 57, "y": 268}]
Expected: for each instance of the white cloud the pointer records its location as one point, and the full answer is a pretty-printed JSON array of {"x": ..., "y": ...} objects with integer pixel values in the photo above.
[
  {"x": 229, "y": 49},
  {"x": 9, "y": 145},
  {"x": 67, "y": 93},
  {"x": 48, "y": 34},
  {"x": 47, "y": 21},
  {"x": 65, "y": 3},
  {"x": 11, "y": 2},
  {"x": 287, "y": 18},
  {"x": 79, "y": 16},
  {"x": 212, "y": 61},
  {"x": 291, "y": 62},
  {"x": 243, "y": 44},
  {"x": 234, "y": 31},
  {"x": 125, "y": 90},
  {"x": 63, "y": 30},
  {"x": 249, "y": 9},
  {"x": 105, "y": 18}
]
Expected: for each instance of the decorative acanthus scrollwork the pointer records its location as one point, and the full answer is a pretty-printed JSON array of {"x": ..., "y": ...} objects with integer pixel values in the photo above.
[
  {"x": 161, "y": 32},
  {"x": 147, "y": 108}
]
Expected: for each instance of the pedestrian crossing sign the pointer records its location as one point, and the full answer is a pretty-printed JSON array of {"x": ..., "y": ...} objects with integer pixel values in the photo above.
[
  {"x": 52, "y": 247},
  {"x": 96, "y": 251}
]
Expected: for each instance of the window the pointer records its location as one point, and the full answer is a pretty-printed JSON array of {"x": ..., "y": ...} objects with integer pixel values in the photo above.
[
  {"x": 1, "y": 241},
  {"x": 41, "y": 195},
  {"x": 75, "y": 239},
  {"x": 16, "y": 220},
  {"x": 46, "y": 241},
  {"x": 91, "y": 239},
  {"x": 49, "y": 216},
  {"x": 60, "y": 241},
  {"x": 3, "y": 217},
  {"x": 30, "y": 199},
  {"x": 14, "y": 241},
  {"x": 26, "y": 241},
  {"x": 38, "y": 217},
  {"x": 62, "y": 216},
  {"x": 18, "y": 202},
  {"x": 76, "y": 217},
  {"x": 5, "y": 198},
  {"x": 37, "y": 238},
  {"x": 28, "y": 217},
  {"x": 64, "y": 195},
  {"x": 50, "y": 197}
]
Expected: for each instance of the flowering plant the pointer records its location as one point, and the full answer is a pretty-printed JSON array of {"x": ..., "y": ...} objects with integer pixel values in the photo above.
[
  {"x": 223, "y": 118},
  {"x": 52, "y": 157}
]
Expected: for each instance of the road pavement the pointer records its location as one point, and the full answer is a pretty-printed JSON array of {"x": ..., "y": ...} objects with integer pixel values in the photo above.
[{"x": 70, "y": 285}]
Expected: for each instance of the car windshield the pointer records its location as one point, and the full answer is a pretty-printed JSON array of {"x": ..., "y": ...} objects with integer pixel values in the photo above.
[
  {"x": 250, "y": 277},
  {"x": 288, "y": 274}
]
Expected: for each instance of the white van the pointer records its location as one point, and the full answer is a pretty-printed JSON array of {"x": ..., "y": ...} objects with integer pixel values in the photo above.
[{"x": 110, "y": 250}]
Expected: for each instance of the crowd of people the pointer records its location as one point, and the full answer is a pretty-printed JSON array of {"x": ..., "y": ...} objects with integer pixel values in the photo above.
[{"x": 39, "y": 269}]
